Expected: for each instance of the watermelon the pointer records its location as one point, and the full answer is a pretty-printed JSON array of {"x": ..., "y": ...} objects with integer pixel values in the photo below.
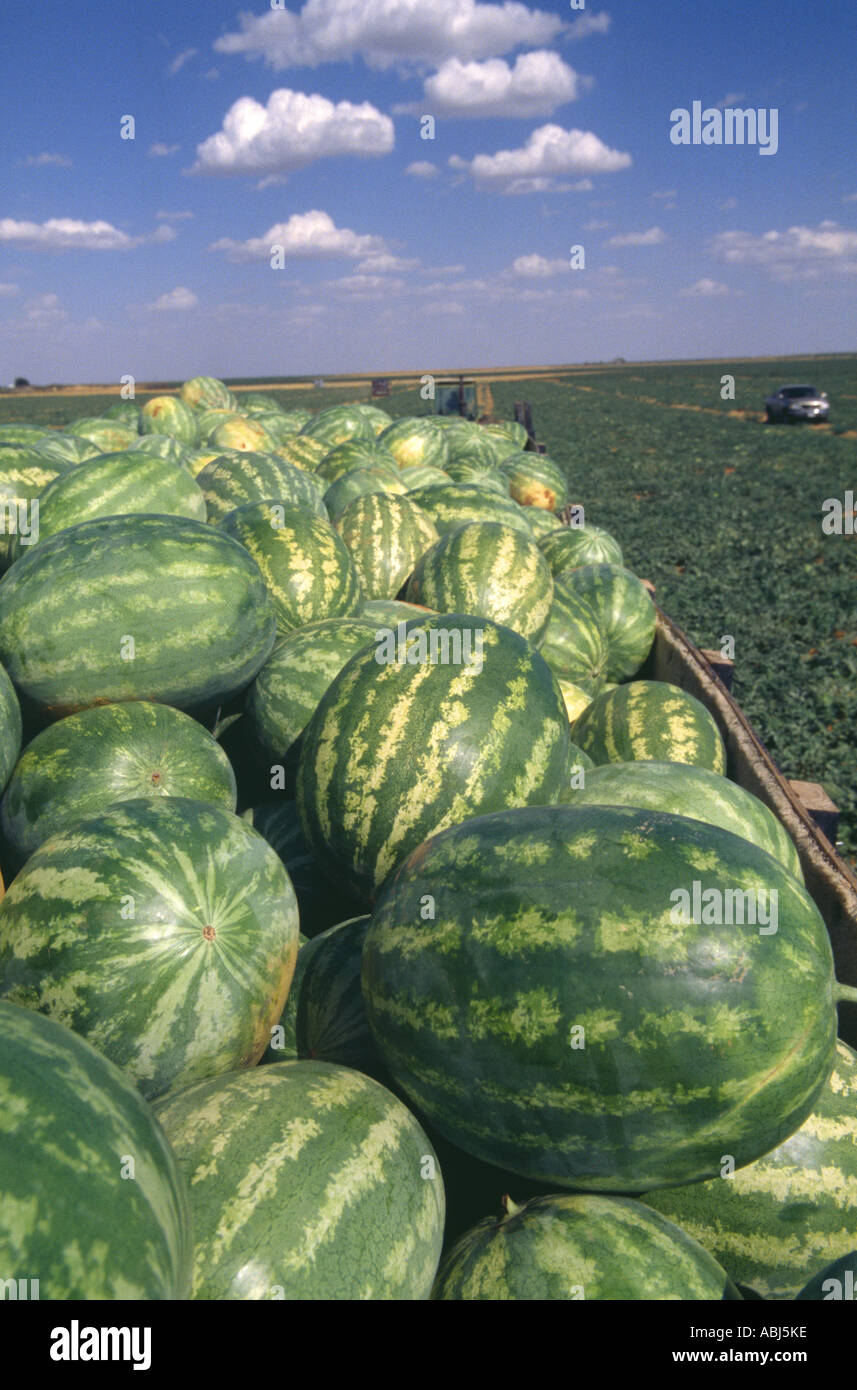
[
  {"x": 126, "y": 412},
  {"x": 24, "y": 475},
  {"x": 163, "y": 446},
  {"x": 379, "y": 419},
  {"x": 94, "y": 1206},
  {"x": 559, "y": 1013},
  {"x": 574, "y": 645},
  {"x": 244, "y": 435},
  {"x": 541, "y": 522},
  {"x": 453, "y": 504},
  {"x": 684, "y": 790},
  {"x": 324, "y": 1017},
  {"x": 258, "y": 403},
  {"x": 109, "y": 753},
  {"x": 489, "y": 570},
  {"x": 775, "y": 1221},
  {"x": 389, "y": 612},
  {"x": 168, "y": 415},
  {"x": 163, "y": 931},
  {"x": 625, "y": 612},
  {"x": 301, "y": 452},
  {"x": 308, "y": 572},
  {"x": 196, "y": 459},
  {"x": 361, "y": 482},
  {"x": 449, "y": 716},
  {"x": 462, "y": 471},
  {"x": 116, "y": 485},
  {"x": 421, "y": 475},
  {"x": 307, "y": 1181},
  {"x": 650, "y": 721},
  {"x": 207, "y": 393},
  {"x": 415, "y": 440},
  {"x": 234, "y": 480},
  {"x": 568, "y": 547},
  {"x": 108, "y": 436},
  {"x": 508, "y": 429},
  {"x": 385, "y": 536},
  {"x": 323, "y": 900},
  {"x": 575, "y": 699},
  {"x": 354, "y": 453},
  {"x": 62, "y": 449},
  {"x": 21, "y": 434},
  {"x": 337, "y": 424},
  {"x": 287, "y": 690},
  {"x": 10, "y": 728},
  {"x": 535, "y": 480},
  {"x": 579, "y": 1247},
  {"x": 130, "y": 608},
  {"x": 207, "y": 421},
  {"x": 836, "y": 1281},
  {"x": 470, "y": 443}
]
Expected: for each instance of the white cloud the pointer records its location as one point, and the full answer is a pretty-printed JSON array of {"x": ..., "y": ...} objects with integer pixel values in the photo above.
[
  {"x": 38, "y": 160},
  {"x": 161, "y": 151},
  {"x": 728, "y": 204},
  {"x": 800, "y": 253},
  {"x": 386, "y": 264},
  {"x": 537, "y": 84},
  {"x": 179, "y": 298},
  {"x": 212, "y": 74},
  {"x": 69, "y": 234},
  {"x": 850, "y": 198},
  {"x": 422, "y": 169},
  {"x": 537, "y": 267},
  {"x": 312, "y": 235},
  {"x": 595, "y": 225},
  {"x": 367, "y": 286},
  {"x": 7, "y": 291},
  {"x": 662, "y": 194},
  {"x": 386, "y": 33},
  {"x": 654, "y": 236},
  {"x": 293, "y": 130},
  {"x": 43, "y": 311},
  {"x": 174, "y": 216},
  {"x": 706, "y": 289},
  {"x": 587, "y": 24},
  {"x": 181, "y": 58},
  {"x": 550, "y": 154}
]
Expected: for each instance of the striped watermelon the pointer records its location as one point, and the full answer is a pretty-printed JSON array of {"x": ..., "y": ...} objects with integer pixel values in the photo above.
[
  {"x": 337, "y": 424},
  {"x": 414, "y": 440},
  {"x": 208, "y": 420},
  {"x": 422, "y": 475},
  {"x": 579, "y": 1247},
  {"x": 307, "y": 570},
  {"x": 126, "y": 412},
  {"x": 574, "y": 645},
  {"x": 550, "y": 920},
  {"x": 463, "y": 471},
  {"x": 541, "y": 522},
  {"x": 379, "y": 419},
  {"x": 207, "y": 393},
  {"x": 489, "y": 570},
  {"x": 535, "y": 480},
  {"x": 165, "y": 932},
  {"x": 131, "y": 608},
  {"x": 307, "y": 1181},
  {"x": 256, "y": 403},
  {"x": 10, "y": 728},
  {"x": 301, "y": 452},
  {"x": 625, "y": 612},
  {"x": 164, "y": 415},
  {"x": 354, "y": 453},
  {"x": 24, "y": 475},
  {"x": 568, "y": 547},
  {"x": 196, "y": 459},
  {"x": 459, "y": 716},
  {"x": 361, "y": 482},
  {"x": 21, "y": 434},
  {"x": 836, "y": 1281},
  {"x": 108, "y": 436},
  {"x": 508, "y": 429},
  {"x": 115, "y": 485},
  {"x": 776, "y": 1221},
  {"x": 471, "y": 443},
  {"x": 385, "y": 536},
  {"x": 66, "y": 449},
  {"x": 576, "y": 700},
  {"x": 323, "y": 900},
  {"x": 244, "y": 435},
  {"x": 162, "y": 446},
  {"x": 94, "y": 1206},
  {"x": 650, "y": 721},
  {"x": 234, "y": 480},
  {"x": 289, "y": 687},
  {"x": 87, "y": 762},
  {"x": 684, "y": 790},
  {"x": 324, "y": 1017},
  {"x": 382, "y": 612},
  {"x": 453, "y": 504}
]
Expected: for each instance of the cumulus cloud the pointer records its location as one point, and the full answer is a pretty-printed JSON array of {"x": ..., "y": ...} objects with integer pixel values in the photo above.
[
  {"x": 386, "y": 33},
  {"x": 706, "y": 289},
  {"x": 422, "y": 169},
  {"x": 39, "y": 160},
  {"x": 653, "y": 236},
  {"x": 536, "y": 267},
  {"x": 293, "y": 130},
  {"x": 386, "y": 264},
  {"x": 550, "y": 155},
  {"x": 587, "y": 24},
  {"x": 309, "y": 235},
  {"x": 180, "y": 59},
  {"x": 799, "y": 253},
  {"x": 537, "y": 84},
  {"x": 69, "y": 234},
  {"x": 179, "y": 298},
  {"x": 161, "y": 151}
]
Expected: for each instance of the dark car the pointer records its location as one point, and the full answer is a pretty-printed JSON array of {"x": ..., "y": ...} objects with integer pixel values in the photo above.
[{"x": 797, "y": 403}]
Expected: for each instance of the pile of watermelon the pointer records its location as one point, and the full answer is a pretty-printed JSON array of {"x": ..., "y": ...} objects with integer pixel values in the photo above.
[{"x": 374, "y": 927}]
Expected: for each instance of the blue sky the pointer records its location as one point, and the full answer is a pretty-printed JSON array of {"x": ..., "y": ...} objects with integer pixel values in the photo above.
[{"x": 300, "y": 127}]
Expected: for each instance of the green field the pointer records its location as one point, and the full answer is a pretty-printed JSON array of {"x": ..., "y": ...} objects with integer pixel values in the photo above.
[{"x": 722, "y": 512}]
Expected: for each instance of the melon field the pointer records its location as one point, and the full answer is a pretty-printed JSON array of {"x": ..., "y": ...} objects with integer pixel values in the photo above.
[{"x": 374, "y": 924}]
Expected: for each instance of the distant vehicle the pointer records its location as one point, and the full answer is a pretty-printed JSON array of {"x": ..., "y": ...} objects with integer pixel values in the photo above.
[{"x": 797, "y": 403}]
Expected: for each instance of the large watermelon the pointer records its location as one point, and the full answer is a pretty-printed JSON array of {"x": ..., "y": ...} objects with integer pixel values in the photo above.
[
  {"x": 574, "y": 645},
  {"x": 10, "y": 728},
  {"x": 535, "y": 480},
  {"x": 415, "y": 440},
  {"x": 108, "y": 436},
  {"x": 207, "y": 393},
  {"x": 389, "y": 612},
  {"x": 308, "y": 1182},
  {"x": 541, "y": 523},
  {"x": 22, "y": 434},
  {"x": 780, "y": 1219},
  {"x": 323, "y": 899},
  {"x": 568, "y": 547},
  {"x": 385, "y": 536},
  {"x": 233, "y": 480},
  {"x": 114, "y": 485},
  {"x": 337, "y": 424},
  {"x": 24, "y": 475},
  {"x": 67, "y": 449},
  {"x": 471, "y": 443},
  {"x": 301, "y": 452},
  {"x": 163, "y": 446},
  {"x": 83, "y": 764},
  {"x": 462, "y": 471},
  {"x": 453, "y": 504},
  {"x": 447, "y": 717},
  {"x": 489, "y": 570},
  {"x": 650, "y": 721},
  {"x": 308, "y": 572},
  {"x": 564, "y": 1013},
  {"x": 625, "y": 612},
  {"x": 422, "y": 475},
  {"x": 166, "y": 415},
  {"x": 511, "y": 430},
  {"x": 93, "y": 1204},
  {"x": 165, "y": 932},
  {"x": 684, "y": 790},
  {"x": 126, "y": 412},
  {"x": 362, "y": 482},
  {"x": 244, "y": 435},
  {"x": 354, "y": 453},
  {"x": 287, "y": 690},
  {"x": 579, "y": 1247},
  {"x": 134, "y": 607}
]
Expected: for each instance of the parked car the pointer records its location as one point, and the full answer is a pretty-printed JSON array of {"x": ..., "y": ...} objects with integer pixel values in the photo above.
[{"x": 797, "y": 403}]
